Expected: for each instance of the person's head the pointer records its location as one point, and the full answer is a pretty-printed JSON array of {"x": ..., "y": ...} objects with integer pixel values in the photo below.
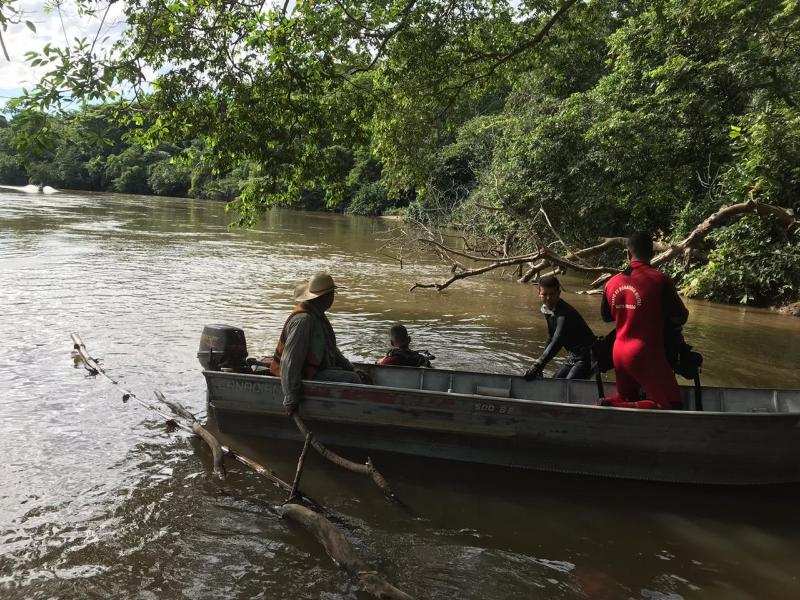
[
  {"x": 319, "y": 291},
  {"x": 549, "y": 290},
  {"x": 398, "y": 335},
  {"x": 640, "y": 246}
]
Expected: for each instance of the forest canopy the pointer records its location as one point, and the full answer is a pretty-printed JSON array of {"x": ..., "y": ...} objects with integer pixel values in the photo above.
[{"x": 605, "y": 116}]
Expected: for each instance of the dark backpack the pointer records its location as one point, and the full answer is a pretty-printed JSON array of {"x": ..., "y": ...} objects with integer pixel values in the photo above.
[
  {"x": 602, "y": 352},
  {"x": 683, "y": 360}
]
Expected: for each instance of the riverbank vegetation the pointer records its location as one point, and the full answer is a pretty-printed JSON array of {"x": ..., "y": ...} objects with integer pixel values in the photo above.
[
  {"x": 94, "y": 149},
  {"x": 524, "y": 125}
]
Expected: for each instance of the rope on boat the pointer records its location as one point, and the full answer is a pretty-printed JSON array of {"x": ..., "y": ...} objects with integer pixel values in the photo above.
[
  {"x": 365, "y": 469},
  {"x": 193, "y": 426},
  {"x": 326, "y": 533}
]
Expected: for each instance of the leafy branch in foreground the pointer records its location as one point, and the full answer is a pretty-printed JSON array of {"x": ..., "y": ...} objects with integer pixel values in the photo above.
[{"x": 569, "y": 121}]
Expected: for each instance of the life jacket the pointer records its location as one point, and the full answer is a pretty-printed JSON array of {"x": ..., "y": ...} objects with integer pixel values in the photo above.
[
  {"x": 405, "y": 358},
  {"x": 316, "y": 347}
]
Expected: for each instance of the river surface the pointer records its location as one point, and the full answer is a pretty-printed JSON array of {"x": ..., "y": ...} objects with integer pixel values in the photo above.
[{"x": 98, "y": 500}]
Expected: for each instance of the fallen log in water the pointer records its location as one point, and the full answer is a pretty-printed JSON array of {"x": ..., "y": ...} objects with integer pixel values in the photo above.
[
  {"x": 334, "y": 541},
  {"x": 365, "y": 469},
  {"x": 216, "y": 449},
  {"x": 299, "y": 471},
  {"x": 341, "y": 551}
]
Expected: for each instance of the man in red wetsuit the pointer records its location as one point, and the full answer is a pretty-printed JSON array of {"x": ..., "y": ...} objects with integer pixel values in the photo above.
[{"x": 641, "y": 300}]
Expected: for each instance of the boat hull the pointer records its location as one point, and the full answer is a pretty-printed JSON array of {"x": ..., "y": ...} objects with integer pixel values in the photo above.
[{"x": 734, "y": 448}]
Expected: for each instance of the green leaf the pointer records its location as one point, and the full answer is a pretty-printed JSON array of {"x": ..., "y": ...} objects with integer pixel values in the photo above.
[{"x": 30, "y": 26}]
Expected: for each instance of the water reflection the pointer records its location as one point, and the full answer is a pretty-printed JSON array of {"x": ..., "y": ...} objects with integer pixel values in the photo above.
[{"x": 97, "y": 500}]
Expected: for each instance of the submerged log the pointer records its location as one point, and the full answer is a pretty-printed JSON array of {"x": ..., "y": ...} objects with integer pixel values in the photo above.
[
  {"x": 300, "y": 464},
  {"x": 364, "y": 469},
  {"x": 341, "y": 551},
  {"x": 217, "y": 453},
  {"x": 333, "y": 540}
]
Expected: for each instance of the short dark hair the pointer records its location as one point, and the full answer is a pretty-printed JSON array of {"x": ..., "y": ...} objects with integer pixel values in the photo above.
[
  {"x": 550, "y": 281},
  {"x": 399, "y": 333},
  {"x": 640, "y": 245}
]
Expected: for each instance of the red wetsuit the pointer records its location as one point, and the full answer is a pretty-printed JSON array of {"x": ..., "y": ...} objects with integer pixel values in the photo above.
[{"x": 640, "y": 301}]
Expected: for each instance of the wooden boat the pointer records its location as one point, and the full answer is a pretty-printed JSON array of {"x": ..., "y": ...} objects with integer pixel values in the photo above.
[{"x": 743, "y": 436}]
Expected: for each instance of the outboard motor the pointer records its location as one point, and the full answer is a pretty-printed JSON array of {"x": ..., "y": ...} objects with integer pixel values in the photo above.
[{"x": 223, "y": 348}]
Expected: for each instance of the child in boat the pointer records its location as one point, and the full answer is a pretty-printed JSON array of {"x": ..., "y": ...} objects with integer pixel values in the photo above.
[{"x": 400, "y": 354}]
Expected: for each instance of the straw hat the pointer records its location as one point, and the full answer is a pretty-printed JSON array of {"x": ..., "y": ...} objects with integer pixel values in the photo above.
[
  {"x": 319, "y": 285},
  {"x": 299, "y": 290}
]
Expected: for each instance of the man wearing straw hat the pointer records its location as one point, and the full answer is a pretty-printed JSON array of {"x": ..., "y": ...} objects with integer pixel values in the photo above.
[{"x": 307, "y": 347}]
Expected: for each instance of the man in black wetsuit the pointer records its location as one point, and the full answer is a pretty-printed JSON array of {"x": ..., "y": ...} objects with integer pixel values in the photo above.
[{"x": 567, "y": 330}]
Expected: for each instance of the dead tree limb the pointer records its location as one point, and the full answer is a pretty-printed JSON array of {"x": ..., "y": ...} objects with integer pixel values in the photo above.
[
  {"x": 364, "y": 469},
  {"x": 722, "y": 217},
  {"x": 332, "y": 539},
  {"x": 545, "y": 258},
  {"x": 496, "y": 264},
  {"x": 300, "y": 464},
  {"x": 542, "y": 259},
  {"x": 217, "y": 453},
  {"x": 341, "y": 551}
]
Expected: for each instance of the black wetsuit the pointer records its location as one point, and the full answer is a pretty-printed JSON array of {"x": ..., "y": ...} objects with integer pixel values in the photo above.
[{"x": 568, "y": 330}]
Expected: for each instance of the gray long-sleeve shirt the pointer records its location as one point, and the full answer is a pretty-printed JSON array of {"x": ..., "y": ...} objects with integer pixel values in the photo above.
[{"x": 299, "y": 330}]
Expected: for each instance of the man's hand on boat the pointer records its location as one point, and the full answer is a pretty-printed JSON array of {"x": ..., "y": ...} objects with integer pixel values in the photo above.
[{"x": 535, "y": 372}]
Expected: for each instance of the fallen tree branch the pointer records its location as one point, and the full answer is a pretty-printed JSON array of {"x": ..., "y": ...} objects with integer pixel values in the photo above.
[
  {"x": 341, "y": 551},
  {"x": 364, "y": 469},
  {"x": 326, "y": 533},
  {"x": 722, "y": 217},
  {"x": 299, "y": 471},
  {"x": 546, "y": 258},
  {"x": 472, "y": 272}
]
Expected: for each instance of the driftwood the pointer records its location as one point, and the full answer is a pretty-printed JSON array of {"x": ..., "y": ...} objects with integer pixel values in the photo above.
[
  {"x": 547, "y": 260},
  {"x": 341, "y": 551},
  {"x": 300, "y": 463},
  {"x": 93, "y": 367},
  {"x": 722, "y": 217},
  {"x": 542, "y": 259},
  {"x": 216, "y": 449},
  {"x": 364, "y": 469},
  {"x": 609, "y": 243},
  {"x": 334, "y": 541}
]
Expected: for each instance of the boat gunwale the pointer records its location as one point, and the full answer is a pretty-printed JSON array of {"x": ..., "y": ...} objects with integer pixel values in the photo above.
[{"x": 685, "y": 413}]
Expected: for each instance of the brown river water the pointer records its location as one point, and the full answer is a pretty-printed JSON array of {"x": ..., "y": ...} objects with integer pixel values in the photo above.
[{"x": 97, "y": 500}]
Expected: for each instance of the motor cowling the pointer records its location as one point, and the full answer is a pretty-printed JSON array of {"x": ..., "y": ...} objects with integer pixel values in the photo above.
[{"x": 222, "y": 347}]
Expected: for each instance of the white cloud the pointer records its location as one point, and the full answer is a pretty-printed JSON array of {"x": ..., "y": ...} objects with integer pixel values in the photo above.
[{"x": 19, "y": 39}]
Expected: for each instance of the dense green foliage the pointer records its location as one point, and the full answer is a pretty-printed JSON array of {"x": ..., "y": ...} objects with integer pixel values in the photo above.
[
  {"x": 763, "y": 272},
  {"x": 90, "y": 150},
  {"x": 605, "y": 115}
]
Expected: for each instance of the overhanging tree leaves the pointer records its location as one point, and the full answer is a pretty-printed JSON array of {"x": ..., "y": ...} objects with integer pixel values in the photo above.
[{"x": 607, "y": 115}]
